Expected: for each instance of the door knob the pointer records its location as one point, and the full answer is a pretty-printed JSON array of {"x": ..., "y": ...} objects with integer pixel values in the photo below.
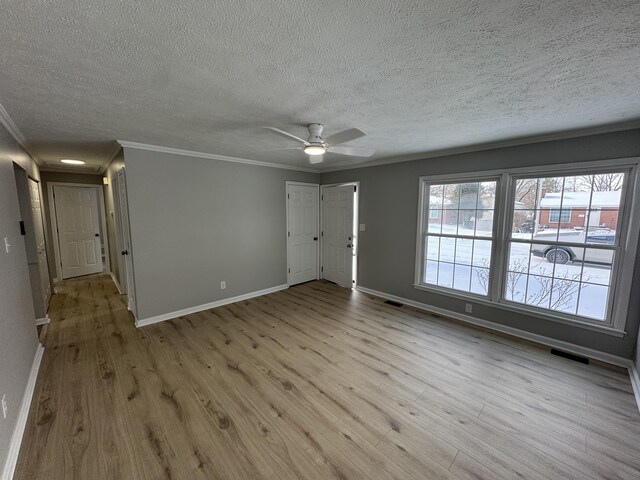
[
  {"x": 315, "y": 239},
  {"x": 97, "y": 235},
  {"x": 124, "y": 252},
  {"x": 348, "y": 245}
]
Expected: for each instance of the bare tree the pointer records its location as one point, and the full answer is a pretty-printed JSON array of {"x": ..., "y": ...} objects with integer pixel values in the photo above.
[
  {"x": 604, "y": 182},
  {"x": 555, "y": 293}
]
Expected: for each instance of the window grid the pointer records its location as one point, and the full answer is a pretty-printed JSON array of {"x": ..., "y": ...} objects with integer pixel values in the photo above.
[
  {"x": 472, "y": 210},
  {"x": 500, "y": 240}
]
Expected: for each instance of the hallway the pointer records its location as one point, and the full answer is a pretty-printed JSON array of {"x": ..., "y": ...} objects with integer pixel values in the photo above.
[{"x": 312, "y": 382}]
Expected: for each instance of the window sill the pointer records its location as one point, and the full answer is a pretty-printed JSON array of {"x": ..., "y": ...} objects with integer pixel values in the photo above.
[{"x": 517, "y": 308}]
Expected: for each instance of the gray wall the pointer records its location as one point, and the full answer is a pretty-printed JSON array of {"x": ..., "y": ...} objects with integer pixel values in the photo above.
[
  {"x": 116, "y": 164},
  {"x": 196, "y": 222},
  {"x": 18, "y": 338},
  {"x": 389, "y": 208},
  {"x": 60, "y": 177}
]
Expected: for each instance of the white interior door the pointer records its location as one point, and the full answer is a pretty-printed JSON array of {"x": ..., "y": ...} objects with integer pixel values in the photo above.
[
  {"x": 38, "y": 225},
  {"x": 302, "y": 235},
  {"x": 337, "y": 234},
  {"x": 126, "y": 253},
  {"x": 78, "y": 230}
]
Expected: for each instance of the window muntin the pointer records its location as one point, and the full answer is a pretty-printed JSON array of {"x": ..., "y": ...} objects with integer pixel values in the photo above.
[
  {"x": 592, "y": 288},
  {"x": 549, "y": 266},
  {"x": 458, "y": 240}
]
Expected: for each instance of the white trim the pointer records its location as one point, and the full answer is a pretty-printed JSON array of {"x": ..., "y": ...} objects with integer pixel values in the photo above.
[
  {"x": 21, "y": 423},
  {"x": 212, "y": 156},
  {"x": 622, "y": 273},
  {"x": 110, "y": 158},
  {"x": 516, "y": 142},
  {"x": 115, "y": 280},
  {"x": 635, "y": 382},
  {"x": 525, "y": 310},
  {"x": 516, "y": 332},
  {"x": 207, "y": 306},
  {"x": 54, "y": 223},
  {"x": 43, "y": 321}
]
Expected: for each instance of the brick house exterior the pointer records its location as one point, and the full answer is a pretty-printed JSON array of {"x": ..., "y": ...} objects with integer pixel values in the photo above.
[{"x": 575, "y": 210}]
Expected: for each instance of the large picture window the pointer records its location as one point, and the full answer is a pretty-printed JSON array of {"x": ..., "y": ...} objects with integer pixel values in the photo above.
[{"x": 546, "y": 242}]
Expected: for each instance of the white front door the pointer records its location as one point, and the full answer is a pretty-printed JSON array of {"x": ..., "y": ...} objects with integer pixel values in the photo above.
[
  {"x": 337, "y": 234},
  {"x": 78, "y": 230},
  {"x": 43, "y": 265},
  {"x": 302, "y": 232}
]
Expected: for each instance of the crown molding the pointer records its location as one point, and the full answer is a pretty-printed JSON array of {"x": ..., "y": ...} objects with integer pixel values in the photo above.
[
  {"x": 116, "y": 149},
  {"x": 8, "y": 123},
  {"x": 211, "y": 156},
  {"x": 514, "y": 142}
]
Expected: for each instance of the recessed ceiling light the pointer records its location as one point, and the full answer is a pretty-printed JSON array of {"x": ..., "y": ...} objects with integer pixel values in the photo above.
[{"x": 72, "y": 162}]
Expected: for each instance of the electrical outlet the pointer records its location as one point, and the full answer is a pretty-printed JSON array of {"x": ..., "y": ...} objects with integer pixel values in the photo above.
[
  {"x": 468, "y": 308},
  {"x": 4, "y": 406},
  {"x": 223, "y": 285},
  {"x": 362, "y": 227}
]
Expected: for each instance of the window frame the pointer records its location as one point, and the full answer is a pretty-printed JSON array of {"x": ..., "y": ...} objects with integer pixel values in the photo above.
[{"x": 628, "y": 230}]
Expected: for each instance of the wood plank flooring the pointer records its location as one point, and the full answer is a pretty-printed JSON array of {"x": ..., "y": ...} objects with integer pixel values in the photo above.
[{"x": 314, "y": 382}]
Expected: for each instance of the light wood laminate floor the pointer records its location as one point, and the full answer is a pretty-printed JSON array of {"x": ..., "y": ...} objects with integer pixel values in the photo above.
[{"x": 314, "y": 382}]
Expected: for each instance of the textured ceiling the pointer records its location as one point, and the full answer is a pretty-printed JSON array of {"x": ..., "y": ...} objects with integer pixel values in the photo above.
[{"x": 416, "y": 76}]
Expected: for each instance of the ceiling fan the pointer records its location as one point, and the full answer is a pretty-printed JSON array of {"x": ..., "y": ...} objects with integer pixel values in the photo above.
[{"x": 315, "y": 146}]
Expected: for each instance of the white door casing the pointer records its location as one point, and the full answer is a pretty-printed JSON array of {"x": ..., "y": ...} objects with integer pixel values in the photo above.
[
  {"x": 302, "y": 232},
  {"x": 43, "y": 265},
  {"x": 127, "y": 252},
  {"x": 337, "y": 234},
  {"x": 78, "y": 225}
]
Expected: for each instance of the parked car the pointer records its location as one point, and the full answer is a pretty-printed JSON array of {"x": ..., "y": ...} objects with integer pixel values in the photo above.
[{"x": 564, "y": 254}]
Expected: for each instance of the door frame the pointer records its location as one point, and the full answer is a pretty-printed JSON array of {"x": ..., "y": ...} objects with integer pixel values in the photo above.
[
  {"x": 54, "y": 223},
  {"x": 286, "y": 209},
  {"x": 356, "y": 227},
  {"x": 124, "y": 240}
]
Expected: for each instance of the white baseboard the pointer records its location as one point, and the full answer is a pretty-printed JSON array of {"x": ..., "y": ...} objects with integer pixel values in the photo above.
[
  {"x": 551, "y": 342},
  {"x": 115, "y": 280},
  {"x": 635, "y": 382},
  {"x": 18, "y": 431},
  {"x": 43, "y": 321},
  {"x": 226, "y": 301}
]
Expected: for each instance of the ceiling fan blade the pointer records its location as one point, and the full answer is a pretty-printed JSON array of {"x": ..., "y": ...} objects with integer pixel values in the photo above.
[
  {"x": 344, "y": 136},
  {"x": 283, "y": 148},
  {"x": 315, "y": 159},
  {"x": 286, "y": 134},
  {"x": 352, "y": 151}
]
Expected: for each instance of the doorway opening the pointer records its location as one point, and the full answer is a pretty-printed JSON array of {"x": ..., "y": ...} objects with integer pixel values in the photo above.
[
  {"x": 79, "y": 229},
  {"x": 33, "y": 231},
  {"x": 339, "y": 233}
]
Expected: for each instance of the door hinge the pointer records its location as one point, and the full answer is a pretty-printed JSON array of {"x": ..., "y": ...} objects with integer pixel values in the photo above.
[
  {"x": 288, "y": 234},
  {"x": 322, "y": 197},
  {"x": 355, "y": 188},
  {"x": 322, "y": 269},
  {"x": 288, "y": 196},
  {"x": 289, "y": 270},
  {"x": 322, "y": 233}
]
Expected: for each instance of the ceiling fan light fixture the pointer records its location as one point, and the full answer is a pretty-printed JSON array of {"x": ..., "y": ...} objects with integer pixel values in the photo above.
[
  {"x": 314, "y": 150},
  {"x": 71, "y": 161}
]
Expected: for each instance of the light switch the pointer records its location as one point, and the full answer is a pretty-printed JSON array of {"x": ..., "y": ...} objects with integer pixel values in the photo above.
[
  {"x": 7, "y": 245},
  {"x": 362, "y": 227}
]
